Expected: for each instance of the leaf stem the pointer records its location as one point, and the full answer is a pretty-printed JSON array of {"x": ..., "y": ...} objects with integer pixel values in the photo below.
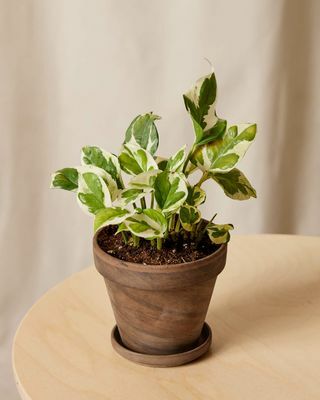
[
  {"x": 203, "y": 231},
  {"x": 125, "y": 237},
  {"x": 135, "y": 240},
  {"x": 143, "y": 203},
  {"x": 159, "y": 243},
  {"x": 205, "y": 176},
  {"x": 152, "y": 200},
  {"x": 188, "y": 159}
]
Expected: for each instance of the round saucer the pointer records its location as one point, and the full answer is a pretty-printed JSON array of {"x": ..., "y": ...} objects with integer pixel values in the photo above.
[{"x": 171, "y": 360}]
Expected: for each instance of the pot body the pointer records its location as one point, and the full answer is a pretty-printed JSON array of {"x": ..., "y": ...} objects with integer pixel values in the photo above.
[{"x": 159, "y": 309}]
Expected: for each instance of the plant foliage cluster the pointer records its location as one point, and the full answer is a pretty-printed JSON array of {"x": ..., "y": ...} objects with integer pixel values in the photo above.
[{"x": 158, "y": 200}]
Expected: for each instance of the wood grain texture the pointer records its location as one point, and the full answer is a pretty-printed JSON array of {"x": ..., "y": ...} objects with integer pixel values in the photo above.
[{"x": 264, "y": 315}]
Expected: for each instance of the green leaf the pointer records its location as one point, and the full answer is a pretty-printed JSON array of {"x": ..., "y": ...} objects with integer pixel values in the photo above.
[
  {"x": 145, "y": 180},
  {"x": 175, "y": 162},
  {"x": 134, "y": 160},
  {"x": 200, "y": 102},
  {"x": 148, "y": 224},
  {"x": 196, "y": 196},
  {"x": 189, "y": 216},
  {"x": 93, "y": 193},
  {"x": 219, "y": 233},
  {"x": 66, "y": 178},
  {"x": 235, "y": 185},
  {"x": 161, "y": 162},
  {"x": 93, "y": 155},
  {"x": 128, "y": 196},
  {"x": 143, "y": 132},
  {"x": 170, "y": 191},
  {"x": 110, "y": 216},
  {"x": 222, "y": 155}
]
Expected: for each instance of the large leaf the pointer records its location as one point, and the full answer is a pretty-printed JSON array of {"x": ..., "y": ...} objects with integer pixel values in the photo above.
[
  {"x": 111, "y": 216},
  {"x": 134, "y": 160},
  {"x": 196, "y": 196},
  {"x": 148, "y": 224},
  {"x": 219, "y": 233},
  {"x": 175, "y": 162},
  {"x": 170, "y": 191},
  {"x": 235, "y": 185},
  {"x": 128, "y": 196},
  {"x": 222, "y": 155},
  {"x": 145, "y": 180},
  {"x": 189, "y": 216},
  {"x": 93, "y": 155},
  {"x": 143, "y": 132},
  {"x": 93, "y": 194}
]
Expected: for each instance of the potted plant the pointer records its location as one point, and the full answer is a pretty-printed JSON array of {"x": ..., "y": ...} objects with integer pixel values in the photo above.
[{"x": 158, "y": 256}]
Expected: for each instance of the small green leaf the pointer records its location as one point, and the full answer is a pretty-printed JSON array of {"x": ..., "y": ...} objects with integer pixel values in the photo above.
[
  {"x": 170, "y": 191},
  {"x": 148, "y": 224},
  {"x": 128, "y": 196},
  {"x": 189, "y": 216},
  {"x": 196, "y": 196},
  {"x": 143, "y": 132},
  {"x": 145, "y": 180},
  {"x": 66, "y": 178},
  {"x": 134, "y": 160},
  {"x": 93, "y": 155},
  {"x": 93, "y": 193},
  {"x": 175, "y": 162},
  {"x": 110, "y": 216},
  {"x": 235, "y": 185},
  {"x": 219, "y": 233}
]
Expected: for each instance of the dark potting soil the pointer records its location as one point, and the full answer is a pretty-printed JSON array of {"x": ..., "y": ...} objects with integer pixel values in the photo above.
[{"x": 172, "y": 252}]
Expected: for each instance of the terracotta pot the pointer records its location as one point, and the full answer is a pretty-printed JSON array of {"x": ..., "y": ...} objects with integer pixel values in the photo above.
[{"x": 159, "y": 309}]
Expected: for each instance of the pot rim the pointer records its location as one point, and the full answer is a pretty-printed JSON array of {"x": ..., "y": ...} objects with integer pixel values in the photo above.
[{"x": 138, "y": 267}]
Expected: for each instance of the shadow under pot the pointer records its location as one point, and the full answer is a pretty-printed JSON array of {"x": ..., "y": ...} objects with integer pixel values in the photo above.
[{"x": 160, "y": 310}]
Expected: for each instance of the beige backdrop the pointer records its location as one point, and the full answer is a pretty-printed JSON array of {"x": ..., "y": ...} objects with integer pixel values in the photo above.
[{"x": 75, "y": 72}]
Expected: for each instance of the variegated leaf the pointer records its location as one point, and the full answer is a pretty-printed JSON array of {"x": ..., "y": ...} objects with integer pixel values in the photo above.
[
  {"x": 161, "y": 162},
  {"x": 170, "y": 191},
  {"x": 235, "y": 185},
  {"x": 196, "y": 196},
  {"x": 93, "y": 193},
  {"x": 111, "y": 216},
  {"x": 175, "y": 162},
  {"x": 134, "y": 160},
  {"x": 219, "y": 233},
  {"x": 189, "y": 216},
  {"x": 148, "y": 224},
  {"x": 142, "y": 132},
  {"x": 145, "y": 180},
  {"x": 93, "y": 155},
  {"x": 67, "y": 178},
  {"x": 128, "y": 196},
  {"x": 222, "y": 155}
]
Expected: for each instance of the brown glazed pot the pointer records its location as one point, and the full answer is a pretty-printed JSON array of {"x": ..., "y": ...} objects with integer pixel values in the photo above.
[{"x": 159, "y": 309}]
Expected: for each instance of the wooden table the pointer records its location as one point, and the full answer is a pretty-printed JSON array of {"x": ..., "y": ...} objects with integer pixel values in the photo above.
[{"x": 266, "y": 331}]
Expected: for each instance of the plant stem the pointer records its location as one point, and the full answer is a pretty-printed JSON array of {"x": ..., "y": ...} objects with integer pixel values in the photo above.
[
  {"x": 200, "y": 236},
  {"x": 143, "y": 203},
  {"x": 152, "y": 200},
  {"x": 152, "y": 243},
  {"x": 159, "y": 243},
  {"x": 188, "y": 159},
  {"x": 124, "y": 237},
  {"x": 177, "y": 228},
  {"x": 136, "y": 240},
  {"x": 204, "y": 177}
]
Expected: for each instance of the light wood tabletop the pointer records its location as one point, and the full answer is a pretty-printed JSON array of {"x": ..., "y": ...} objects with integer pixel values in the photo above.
[{"x": 265, "y": 317}]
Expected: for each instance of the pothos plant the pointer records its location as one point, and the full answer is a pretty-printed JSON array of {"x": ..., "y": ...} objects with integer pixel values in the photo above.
[{"x": 158, "y": 201}]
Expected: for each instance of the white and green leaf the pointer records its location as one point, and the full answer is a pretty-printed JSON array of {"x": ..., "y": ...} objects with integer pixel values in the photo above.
[
  {"x": 145, "y": 180},
  {"x": 134, "y": 160},
  {"x": 196, "y": 196},
  {"x": 189, "y": 216},
  {"x": 142, "y": 132},
  {"x": 222, "y": 155},
  {"x": 219, "y": 234},
  {"x": 93, "y": 193},
  {"x": 170, "y": 191},
  {"x": 175, "y": 163},
  {"x": 111, "y": 216},
  {"x": 161, "y": 162},
  {"x": 148, "y": 224},
  {"x": 93, "y": 155},
  {"x": 126, "y": 197},
  {"x": 235, "y": 184}
]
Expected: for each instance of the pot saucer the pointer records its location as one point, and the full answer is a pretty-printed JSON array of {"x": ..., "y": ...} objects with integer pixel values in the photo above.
[{"x": 201, "y": 346}]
